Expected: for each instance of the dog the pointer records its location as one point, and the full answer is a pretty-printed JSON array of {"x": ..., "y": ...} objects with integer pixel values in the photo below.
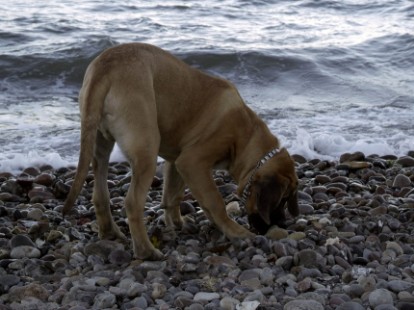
[{"x": 152, "y": 104}]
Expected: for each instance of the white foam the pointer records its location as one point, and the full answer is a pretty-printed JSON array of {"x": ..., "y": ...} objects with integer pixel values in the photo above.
[
  {"x": 15, "y": 163},
  {"x": 330, "y": 146}
]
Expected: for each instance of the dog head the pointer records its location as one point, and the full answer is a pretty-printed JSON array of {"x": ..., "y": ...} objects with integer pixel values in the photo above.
[{"x": 274, "y": 186}]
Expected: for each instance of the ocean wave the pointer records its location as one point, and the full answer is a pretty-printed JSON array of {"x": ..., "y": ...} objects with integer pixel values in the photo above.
[
  {"x": 64, "y": 66},
  {"x": 253, "y": 66},
  {"x": 68, "y": 64}
]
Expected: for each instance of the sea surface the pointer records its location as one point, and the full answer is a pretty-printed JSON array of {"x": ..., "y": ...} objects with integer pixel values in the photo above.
[{"x": 327, "y": 76}]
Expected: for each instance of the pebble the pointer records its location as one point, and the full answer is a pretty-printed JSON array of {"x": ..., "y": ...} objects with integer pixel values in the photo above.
[
  {"x": 351, "y": 247},
  {"x": 276, "y": 233},
  {"x": 206, "y": 296},
  {"x": 380, "y": 297},
  {"x": 303, "y": 305}
]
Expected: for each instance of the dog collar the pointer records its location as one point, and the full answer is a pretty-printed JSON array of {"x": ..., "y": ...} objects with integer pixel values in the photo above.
[{"x": 246, "y": 191}]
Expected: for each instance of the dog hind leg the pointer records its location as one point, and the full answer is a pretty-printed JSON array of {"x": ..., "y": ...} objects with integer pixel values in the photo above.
[
  {"x": 139, "y": 142},
  {"x": 107, "y": 227}
]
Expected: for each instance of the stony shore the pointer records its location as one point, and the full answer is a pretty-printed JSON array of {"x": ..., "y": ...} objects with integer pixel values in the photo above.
[{"x": 351, "y": 248}]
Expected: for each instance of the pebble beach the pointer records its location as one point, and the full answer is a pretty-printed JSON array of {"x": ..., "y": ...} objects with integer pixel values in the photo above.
[{"x": 351, "y": 247}]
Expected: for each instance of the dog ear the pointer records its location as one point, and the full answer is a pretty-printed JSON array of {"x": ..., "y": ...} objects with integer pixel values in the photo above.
[
  {"x": 269, "y": 195},
  {"x": 292, "y": 204}
]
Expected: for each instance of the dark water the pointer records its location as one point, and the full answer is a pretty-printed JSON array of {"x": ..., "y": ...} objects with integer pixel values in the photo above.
[{"x": 327, "y": 76}]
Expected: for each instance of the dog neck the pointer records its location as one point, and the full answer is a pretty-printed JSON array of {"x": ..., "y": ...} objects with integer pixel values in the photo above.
[{"x": 246, "y": 191}]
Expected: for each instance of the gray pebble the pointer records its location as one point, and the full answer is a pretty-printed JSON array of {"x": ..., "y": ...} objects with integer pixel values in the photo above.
[
  {"x": 400, "y": 285},
  {"x": 104, "y": 300},
  {"x": 380, "y": 297},
  {"x": 401, "y": 181},
  {"x": 350, "y": 305},
  {"x": 20, "y": 240},
  {"x": 119, "y": 257},
  {"x": 24, "y": 251},
  {"x": 303, "y": 305}
]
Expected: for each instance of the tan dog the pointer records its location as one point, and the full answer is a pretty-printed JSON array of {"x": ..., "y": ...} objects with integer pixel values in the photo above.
[{"x": 151, "y": 103}]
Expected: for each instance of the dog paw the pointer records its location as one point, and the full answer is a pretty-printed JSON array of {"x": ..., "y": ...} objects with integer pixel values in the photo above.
[
  {"x": 238, "y": 232},
  {"x": 153, "y": 255},
  {"x": 115, "y": 234}
]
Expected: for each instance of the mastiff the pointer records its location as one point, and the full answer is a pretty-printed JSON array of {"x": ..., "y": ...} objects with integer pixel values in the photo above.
[{"x": 153, "y": 104}]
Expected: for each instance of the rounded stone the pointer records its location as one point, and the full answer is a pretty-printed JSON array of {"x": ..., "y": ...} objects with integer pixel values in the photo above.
[
  {"x": 119, "y": 257},
  {"x": 297, "y": 235},
  {"x": 104, "y": 300},
  {"x": 308, "y": 258},
  {"x": 380, "y": 297},
  {"x": 24, "y": 251},
  {"x": 276, "y": 233},
  {"x": 206, "y": 296},
  {"x": 400, "y": 285},
  {"x": 158, "y": 290},
  {"x": 17, "y": 293},
  {"x": 19, "y": 240},
  {"x": 303, "y": 305},
  {"x": 406, "y": 161},
  {"x": 35, "y": 214},
  {"x": 45, "y": 179},
  {"x": 228, "y": 303},
  {"x": 350, "y": 305},
  {"x": 401, "y": 181}
]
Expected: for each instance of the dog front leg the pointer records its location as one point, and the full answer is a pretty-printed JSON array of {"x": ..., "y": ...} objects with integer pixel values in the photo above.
[
  {"x": 172, "y": 195},
  {"x": 198, "y": 176}
]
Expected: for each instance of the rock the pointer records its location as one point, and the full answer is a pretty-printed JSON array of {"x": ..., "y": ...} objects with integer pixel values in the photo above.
[
  {"x": 140, "y": 302},
  {"x": 401, "y": 181},
  {"x": 303, "y": 305},
  {"x": 357, "y": 156},
  {"x": 219, "y": 261},
  {"x": 19, "y": 240},
  {"x": 406, "y": 161},
  {"x": 233, "y": 208},
  {"x": 297, "y": 235},
  {"x": 35, "y": 214},
  {"x": 322, "y": 179},
  {"x": 394, "y": 246},
  {"x": 206, "y": 296},
  {"x": 102, "y": 248},
  {"x": 134, "y": 288},
  {"x": 186, "y": 207},
  {"x": 307, "y": 258},
  {"x": 24, "y": 251},
  {"x": 229, "y": 303},
  {"x": 119, "y": 257},
  {"x": 248, "y": 305},
  {"x": 44, "y": 179},
  {"x": 8, "y": 197},
  {"x": 276, "y": 233},
  {"x": 380, "y": 297},
  {"x": 17, "y": 293},
  {"x": 7, "y": 281},
  {"x": 158, "y": 290},
  {"x": 350, "y": 305},
  {"x": 104, "y": 300},
  {"x": 400, "y": 285},
  {"x": 306, "y": 209}
]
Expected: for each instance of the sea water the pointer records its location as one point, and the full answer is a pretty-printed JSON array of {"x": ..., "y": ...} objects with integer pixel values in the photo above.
[{"x": 328, "y": 77}]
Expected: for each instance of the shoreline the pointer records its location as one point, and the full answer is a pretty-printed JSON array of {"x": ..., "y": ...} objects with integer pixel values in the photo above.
[{"x": 352, "y": 247}]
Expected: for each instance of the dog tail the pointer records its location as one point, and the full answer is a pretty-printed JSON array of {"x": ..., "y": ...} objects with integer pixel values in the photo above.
[{"x": 91, "y": 99}]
